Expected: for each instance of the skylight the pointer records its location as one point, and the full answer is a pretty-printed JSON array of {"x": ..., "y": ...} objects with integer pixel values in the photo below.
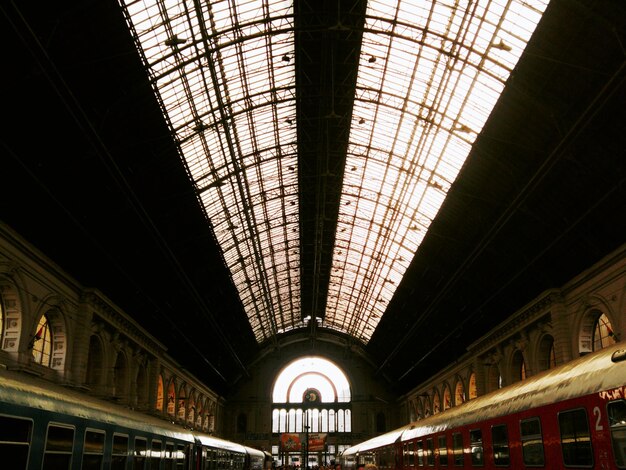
[
  {"x": 224, "y": 73},
  {"x": 429, "y": 76},
  {"x": 430, "y": 73}
]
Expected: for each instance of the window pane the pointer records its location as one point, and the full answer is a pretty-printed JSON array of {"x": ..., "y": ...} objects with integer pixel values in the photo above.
[
  {"x": 575, "y": 438},
  {"x": 457, "y": 444},
  {"x": 617, "y": 422},
  {"x": 94, "y": 442},
  {"x": 15, "y": 440},
  {"x": 443, "y": 451},
  {"x": 500, "y": 439},
  {"x": 532, "y": 442},
  {"x": 59, "y": 442},
  {"x": 139, "y": 456},
  {"x": 119, "y": 452},
  {"x": 430, "y": 454},
  {"x": 476, "y": 447},
  {"x": 420, "y": 453},
  {"x": 60, "y": 439}
]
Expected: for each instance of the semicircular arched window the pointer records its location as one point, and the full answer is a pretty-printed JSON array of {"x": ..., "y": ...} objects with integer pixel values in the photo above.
[
  {"x": 603, "y": 335},
  {"x": 312, "y": 394}
]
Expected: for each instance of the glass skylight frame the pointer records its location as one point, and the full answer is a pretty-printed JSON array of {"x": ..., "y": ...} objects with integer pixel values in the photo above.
[
  {"x": 430, "y": 73},
  {"x": 429, "y": 76},
  {"x": 224, "y": 73}
]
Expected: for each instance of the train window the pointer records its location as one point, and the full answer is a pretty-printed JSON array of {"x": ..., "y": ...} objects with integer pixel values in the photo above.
[
  {"x": 457, "y": 448},
  {"x": 155, "y": 455},
  {"x": 617, "y": 422},
  {"x": 207, "y": 456},
  {"x": 15, "y": 435},
  {"x": 575, "y": 438},
  {"x": 93, "y": 450},
  {"x": 181, "y": 456},
  {"x": 430, "y": 452},
  {"x": 59, "y": 445},
  {"x": 170, "y": 456},
  {"x": 532, "y": 442},
  {"x": 119, "y": 452},
  {"x": 476, "y": 447},
  {"x": 140, "y": 452},
  {"x": 411, "y": 452},
  {"x": 420, "y": 453},
  {"x": 500, "y": 441},
  {"x": 443, "y": 451}
]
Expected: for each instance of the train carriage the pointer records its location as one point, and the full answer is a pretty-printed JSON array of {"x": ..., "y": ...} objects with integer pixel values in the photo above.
[
  {"x": 46, "y": 426},
  {"x": 573, "y": 417}
]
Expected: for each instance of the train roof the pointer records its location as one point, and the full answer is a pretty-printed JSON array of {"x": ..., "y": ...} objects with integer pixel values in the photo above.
[
  {"x": 211, "y": 441},
  {"x": 586, "y": 375},
  {"x": 22, "y": 390},
  {"x": 378, "y": 441}
]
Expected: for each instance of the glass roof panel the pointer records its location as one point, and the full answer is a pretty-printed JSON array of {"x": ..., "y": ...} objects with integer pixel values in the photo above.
[
  {"x": 227, "y": 95},
  {"x": 429, "y": 75}
]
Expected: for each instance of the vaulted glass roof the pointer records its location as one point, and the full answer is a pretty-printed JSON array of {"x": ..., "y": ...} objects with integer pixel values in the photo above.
[{"x": 224, "y": 72}]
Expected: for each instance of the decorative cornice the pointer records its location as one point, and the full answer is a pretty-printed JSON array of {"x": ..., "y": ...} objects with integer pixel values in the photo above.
[
  {"x": 517, "y": 322},
  {"x": 120, "y": 322}
]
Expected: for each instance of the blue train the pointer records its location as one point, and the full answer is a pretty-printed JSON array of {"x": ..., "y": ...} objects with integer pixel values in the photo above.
[{"x": 44, "y": 426}]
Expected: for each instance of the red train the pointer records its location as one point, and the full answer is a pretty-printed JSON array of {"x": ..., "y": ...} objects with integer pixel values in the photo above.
[{"x": 570, "y": 417}]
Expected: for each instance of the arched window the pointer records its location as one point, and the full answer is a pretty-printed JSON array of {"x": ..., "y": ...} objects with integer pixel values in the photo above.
[
  {"x": 275, "y": 421},
  {"x": 341, "y": 424},
  {"x": 518, "y": 367},
  {"x": 494, "y": 379},
  {"x": 191, "y": 408},
  {"x": 436, "y": 402},
  {"x": 171, "y": 399},
  {"x": 447, "y": 397},
  {"x": 427, "y": 409},
  {"x": 311, "y": 387},
  {"x": 595, "y": 332},
  {"x": 199, "y": 413},
  {"x": 182, "y": 403},
  {"x": 95, "y": 361},
  {"x": 42, "y": 342},
  {"x": 546, "y": 355},
  {"x": 160, "y": 394},
  {"x": 332, "y": 421},
  {"x": 242, "y": 423},
  {"x": 602, "y": 333},
  {"x": 459, "y": 393},
  {"x": 141, "y": 393},
  {"x": 420, "y": 410},
  {"x": 412, "y": 412},
  {"x": 471, "y": 388},
  {"x": 119, "y": 376}
]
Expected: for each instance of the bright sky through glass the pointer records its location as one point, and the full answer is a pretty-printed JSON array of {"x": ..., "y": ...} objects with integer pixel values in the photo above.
[
  {"x": 224, "y": 73},
  {"x": 430, "y": 73},
  {"x": 311, "y": 372}
]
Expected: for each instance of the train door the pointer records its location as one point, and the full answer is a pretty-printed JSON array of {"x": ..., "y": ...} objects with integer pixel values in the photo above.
[{"x": 617, "y": 425}]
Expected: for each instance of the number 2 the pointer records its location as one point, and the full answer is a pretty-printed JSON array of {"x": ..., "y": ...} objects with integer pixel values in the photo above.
[{"x": 598, "y": 414}]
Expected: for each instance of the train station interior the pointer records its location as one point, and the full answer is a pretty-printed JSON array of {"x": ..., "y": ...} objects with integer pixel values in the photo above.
[{"x": 263, "y": 219}]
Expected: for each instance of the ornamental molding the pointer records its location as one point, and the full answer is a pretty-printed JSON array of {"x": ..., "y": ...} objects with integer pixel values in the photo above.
[
  {"x": 518, "y": 323},
  {"x": 104, "y": 311}
]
